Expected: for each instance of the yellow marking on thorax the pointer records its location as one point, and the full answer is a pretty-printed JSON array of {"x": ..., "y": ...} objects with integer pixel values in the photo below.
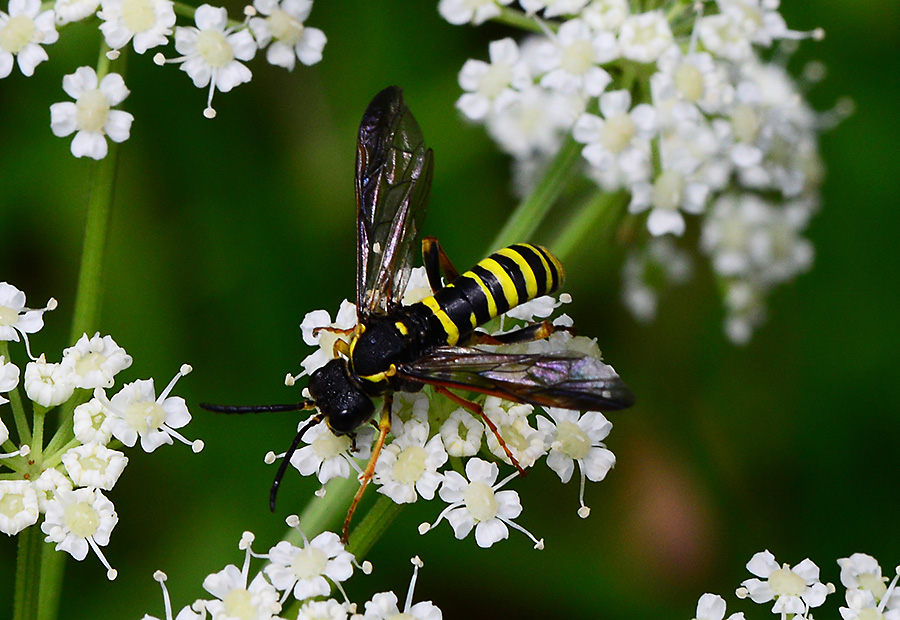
[
  {"x": 531, "y": 284},
  {"x": 448, "y": 325},
  {"x": 401, "y": 327},
  {"x": 378, "y": 377},
  {"x": 506, "y": 282}
]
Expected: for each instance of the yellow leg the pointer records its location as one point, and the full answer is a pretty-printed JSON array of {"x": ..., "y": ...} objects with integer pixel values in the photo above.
[{"x": 384, "y": 426}]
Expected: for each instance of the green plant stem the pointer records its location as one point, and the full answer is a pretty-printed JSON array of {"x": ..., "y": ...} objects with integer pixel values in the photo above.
[
  {"x": 325, "y": 513},
  {"x": 599, "y": 212},
  {"x": 518, "y": 19},
  {"x": 28, "y": 574},
  {"x": 528, "y": 216}
]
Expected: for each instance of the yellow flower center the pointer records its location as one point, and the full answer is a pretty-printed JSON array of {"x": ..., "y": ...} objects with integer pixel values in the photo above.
[
  {"x": 12, "y": 504},
  {"x": 16, "y": 34},
  {"x": 410, "y": 465},
  {"x": 573, "y": 442},
  {"x": 309, "y": 562},
  {"x": 577, "y": 58},
  {"x": 8, "y": 316},
  {"x": 480, "y": 501},
  {"x": 617, "y": 132},
  {"x": 238, "y": 605},
  {"x": 785, "y": 582},
  {"x": 689, "y": 82},
  {"x": 92, "y": 108},
  {"x": 214, "y": 48},
  {"x": 285, "y": 27},
  {"x": 328, "y": 445},
  {"x": 81, "y": 519},
  {"x": 145, "y": 416},
  {"x": 138, "y": 15}
]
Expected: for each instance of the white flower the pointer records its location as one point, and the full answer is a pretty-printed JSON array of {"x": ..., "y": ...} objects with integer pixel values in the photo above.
[
  {"x": 308, "y": 569},
  {"x": 407, "y": 467},
  {"x": 18, "y": 506},
  {"x": 95, "y": 361},
  {"x": 9, "y": 379},
  {"x": 90, "y": 114},
  {"x": 606, "y": 14},
  {"x": 459, "y": 12},
  {"x": 578, "y": 439},
  {"x": 212, "y": 51},
  {"x": 462, "y": 434},
  {"x": 571, "y": 60},
  {"x": 477, "y": 503},
  {"x": 534, "y": 123},
  {"x": 862, "y": 571},
  {"x": 94, "y": 465},
  {"x": 323, "y": 610},
  {"x": 794, "y": 590},
  {"x": 525, "y": 443},
  {"x": 236, "y": 599},
  {"x": 417, "y": 288},
  {"x": 136, "y": 411},
  {"x": 91, "y": 423},
  {"x": 49, "y": 484},
  {"x": 862, "y": 605},
  {"x": 384, "y": 606},
  {"x": 76, "y": 520},
  {"x": 553, "y": 8},
  {"x": 283, "y": 27},
  {"x": 68, "y": 11},
  {"x": 645, "y": 37},
  {"x": 328, "y": 455},
  {"x": 693, "y": 79},
  {"x": 48, "y": 384},
  {"x": 16, "y": 319},
  {"x": 538, "y": 308},
  {"x": 725, "y": 36},
  {"x": 712, "y": 607},
  {"x": 22, "y": 32},
  {"x": 669, "y": 194},
  {"x": 619, "y": 141},
  {"x": 147, "y": 22},
  {"x": 493, "y": 86},
  {"x": 318, "y": 330}
]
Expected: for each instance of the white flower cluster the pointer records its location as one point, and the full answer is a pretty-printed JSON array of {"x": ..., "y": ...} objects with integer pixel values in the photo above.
[
  {"x": 64, "y": 478},
  {"x": 212, "y": 53},
  {"x": 794, "y": 591},
  {"x": 431, "y": 438},
  {"x": 678, "y": 109},
  {"x": 307, "y": 572}
]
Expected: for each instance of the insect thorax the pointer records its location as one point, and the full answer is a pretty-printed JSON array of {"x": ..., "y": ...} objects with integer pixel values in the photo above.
[{"x": 340, "y": 397}]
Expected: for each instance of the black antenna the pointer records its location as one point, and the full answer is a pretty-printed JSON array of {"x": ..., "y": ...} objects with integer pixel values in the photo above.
[
  {"x": 287, "y": 457},
  {"x": 305, "y": 404}
]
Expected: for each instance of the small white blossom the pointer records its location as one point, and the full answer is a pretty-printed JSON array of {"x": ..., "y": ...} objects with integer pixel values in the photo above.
[
  {"x": 18, "y": 506},
  {"x": 318, "y": 330},
  {"x": 49, "y": 484},
  {"x": 90, "y": 115},
  {"x": 385, "y": 605},
  {"x": 417, "y": 288},
  {"x": 491, "y": 87},
  {"x": 68, "y": 11},
  {"x": 606, "y": 14},
  {"x": 323, "y": 610},
  {"x": 459, "y": 12},
  {"x": 537, "y": 308},
  {"x": 407, "y": 467},
  {"x": 22, "y": 32},
  {"x": 146, "y": 22},
  {"x": 526, "y": 443},
  {"x": 712, "y": 607},
  {"x": 211, "y": 52},
  {"x": 307, "y": 570},
  {"x": 534, "y": 123},
  {"x": 862, "y": 605},
  {"x": 619, "y": 141},
  {"x": 94, "y": 465},
  {"x": 670, "y": 193},
  {"x": 95, "y": 361},
  {"x": 794, "y": 590},
  {"x": 136, "y": 411},
  {"x": 862, "y": 572},
  {"x": 283, "y": 27},
  {"x": 91, "y": 423},
  {"x": 328, "y": 455},
  {"x": 76, "y": 520},
  {"x": 645, "y": 37},
  {"x": 575, "y": 438},
  {"x": 9, "y": 379},
  {"x": 237, "y": 599},
  {"x": 462, "y": 433},
  {"x": 16, "y": 319},
  {"x": 571, "y": 61},
  {"x": 476, "y": 503},
  {"x": 48, "y": 384}
]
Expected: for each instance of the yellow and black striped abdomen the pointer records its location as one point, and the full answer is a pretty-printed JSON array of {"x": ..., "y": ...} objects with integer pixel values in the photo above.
[{"x": 498, "y": 283}]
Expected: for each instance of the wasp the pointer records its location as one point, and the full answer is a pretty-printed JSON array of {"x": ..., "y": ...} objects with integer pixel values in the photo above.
[{"x": 434, "y": 341}]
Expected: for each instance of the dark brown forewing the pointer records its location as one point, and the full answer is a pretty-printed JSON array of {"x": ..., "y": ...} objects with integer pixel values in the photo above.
[
  {"x": 566, "y": 379},
  {"x": 393, "y": 176}
]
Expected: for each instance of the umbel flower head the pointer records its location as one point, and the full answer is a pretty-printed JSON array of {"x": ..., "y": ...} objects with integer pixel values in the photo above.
[{"x": 90, "y": 116}]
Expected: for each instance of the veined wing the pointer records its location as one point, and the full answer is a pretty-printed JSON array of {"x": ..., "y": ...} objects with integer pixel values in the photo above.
[
  {"x": 393, "y": 177},
  {"x": 565, "y": 379}
]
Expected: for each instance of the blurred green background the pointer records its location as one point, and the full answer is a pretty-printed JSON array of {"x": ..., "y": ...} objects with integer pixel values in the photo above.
[{"x": 226, "y": 232}]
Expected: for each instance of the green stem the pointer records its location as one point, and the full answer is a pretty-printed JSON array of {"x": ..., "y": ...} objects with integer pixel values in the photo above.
[
  {"x": 518, "y": 19},
  {"x": 527, "y": 217},
  {"x": 87, "y": 297},
  {"x": 373, "y": 525},
  {"x": 25, "y": 603},
  {"x": 325, "y": 513},
  {"x": 599, "y": 212},
  {"x": 15, "y": 401}
]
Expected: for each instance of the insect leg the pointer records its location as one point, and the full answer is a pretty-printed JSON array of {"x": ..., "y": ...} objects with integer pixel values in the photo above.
[
  {"x": 384, "y": 426},
  {"x": 535, "y": 331},
  {"x": 436, "y": 261},
  {"x": 475, "y": 408}
]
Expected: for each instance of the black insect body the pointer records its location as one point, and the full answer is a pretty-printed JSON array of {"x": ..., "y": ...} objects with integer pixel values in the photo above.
[{"x": 402, "y": 348}]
